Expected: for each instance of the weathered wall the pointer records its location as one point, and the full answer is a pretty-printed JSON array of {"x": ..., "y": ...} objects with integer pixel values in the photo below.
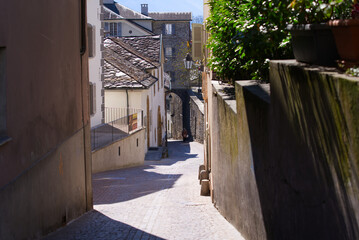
[
  {"x": 177, "y": 41},
  {"x": 314, "y": 153},
  {"x": 46, "y": 197},
  {"x": 131, "y": 154},
  {"x": 235, "y": 191},
  {"x": 196, "y": 117},
  {"x": 286, "y": 167},
  {"x": 176, "y": 116},
  {"x": 44, "y": 177}
]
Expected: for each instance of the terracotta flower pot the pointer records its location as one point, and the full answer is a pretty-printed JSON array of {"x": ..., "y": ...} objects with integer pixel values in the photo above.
[
  {"x": 346, "y": 35},
  {"x": 313, "y": 44}
]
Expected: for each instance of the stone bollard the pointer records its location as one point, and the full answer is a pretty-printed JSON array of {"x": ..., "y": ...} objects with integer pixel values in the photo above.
[
  {"x": 203, "y": 175},
  {"x": 205, "y": 187},
  {"x": 201, "y": 167},
  {"x": 165, "y": 153}
]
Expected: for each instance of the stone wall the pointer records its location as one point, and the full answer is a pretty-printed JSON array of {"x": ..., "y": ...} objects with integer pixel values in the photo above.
[
  {"x": 178, "y": 42},
  {"x": 285, "y": 166},
  {"x": 196, "y": 117},
  {"x": 127, "y": 152},
  {"x": 175, "y": 116},
  {"x": 234, "y": 186}
]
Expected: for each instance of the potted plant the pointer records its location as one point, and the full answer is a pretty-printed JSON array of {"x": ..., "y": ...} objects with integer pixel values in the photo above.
[
  {"x": 312, "y": 37},
  {"x": 346, "y": 34}
]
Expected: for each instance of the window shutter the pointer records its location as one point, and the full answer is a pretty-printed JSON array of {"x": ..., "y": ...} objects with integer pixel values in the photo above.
[
  {"x": 197, "y": 41},
  {"x": 92, "y": 98},
  {"x": 91, "y": 39},
  {"x": 173, "y": 52},
  {"x": 163, "y": 29},
  {"x": 173, "y": 29}
]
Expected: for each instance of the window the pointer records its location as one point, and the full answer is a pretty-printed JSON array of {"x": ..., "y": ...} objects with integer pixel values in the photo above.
[
  {"x": 113, "y": 29},
  {"x": 169, "y": 29},
  {"x": 3, "y": 137},
  {"x": 92, "y": 98},
  {"x": 169, "y": 52}
]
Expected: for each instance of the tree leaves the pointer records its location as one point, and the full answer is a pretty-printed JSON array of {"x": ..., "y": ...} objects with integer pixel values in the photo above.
[{"x": 245, "y": 34}]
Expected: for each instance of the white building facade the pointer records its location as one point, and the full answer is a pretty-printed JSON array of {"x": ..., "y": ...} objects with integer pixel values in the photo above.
[{"x": 95, "y": 43}]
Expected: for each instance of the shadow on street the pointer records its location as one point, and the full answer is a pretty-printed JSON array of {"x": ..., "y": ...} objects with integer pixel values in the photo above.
[
  {"x": 127, "y": 184},
  {"x": 98, "y": 226}
]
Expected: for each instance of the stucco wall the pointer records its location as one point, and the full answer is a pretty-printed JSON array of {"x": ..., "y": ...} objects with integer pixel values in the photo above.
[
  {"x": 47, "y": 197},
  {"x": 138, "y": 99},
  {"x": 129, "y": 30},
  {"x": 44, "y": 177},
  {"x": 95, "y": 68},
  {"x": 130, "y": 153},
  {"x": 285, "y": 166}
]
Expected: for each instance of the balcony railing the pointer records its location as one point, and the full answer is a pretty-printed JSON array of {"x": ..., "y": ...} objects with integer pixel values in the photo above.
[{"x": 119, "y": 123}]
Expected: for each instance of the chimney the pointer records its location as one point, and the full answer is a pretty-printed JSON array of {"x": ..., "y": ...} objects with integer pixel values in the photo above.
[{"x": 144, "y": 9}]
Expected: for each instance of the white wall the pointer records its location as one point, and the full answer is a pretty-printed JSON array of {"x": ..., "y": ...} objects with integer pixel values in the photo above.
[
  {"x": 144, "y": 23},
  {"x": 136, "y": 31},
  {"x": 157, "y": 99},
  {"x": 95, "y": 70},
  {"x": 127, "y": 152},
  {"x": 138, "y": 99}
]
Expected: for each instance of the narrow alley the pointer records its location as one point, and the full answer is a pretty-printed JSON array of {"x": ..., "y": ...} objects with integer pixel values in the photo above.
[{"x": 159, "y": 200}]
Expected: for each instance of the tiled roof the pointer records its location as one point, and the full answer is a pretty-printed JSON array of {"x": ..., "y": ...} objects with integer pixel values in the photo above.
[
  {"x": 115, "y": 78},
  {"x": 147, "y": 46},
  {"x": 171, "y": 16},
  {"x": 130, "y": 14},
  {"x": 125, "y": 67},
  {"x": 112, "y": 7},
  {"x": 108, "y": 14}
]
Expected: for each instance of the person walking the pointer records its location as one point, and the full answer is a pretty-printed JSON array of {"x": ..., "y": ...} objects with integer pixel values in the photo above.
[{"x": 184, "y": 134}]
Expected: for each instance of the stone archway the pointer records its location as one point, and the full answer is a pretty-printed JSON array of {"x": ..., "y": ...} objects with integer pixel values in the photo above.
[
  {"x": 174, "y": 116},
  {"x": 186, "y": 115}
]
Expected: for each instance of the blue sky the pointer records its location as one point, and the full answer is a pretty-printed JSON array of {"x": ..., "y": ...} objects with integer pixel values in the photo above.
[{"x": 194, "y": 6}]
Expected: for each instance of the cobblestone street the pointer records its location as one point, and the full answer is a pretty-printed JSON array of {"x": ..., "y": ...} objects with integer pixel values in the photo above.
[{"x": 159, "y": 200}]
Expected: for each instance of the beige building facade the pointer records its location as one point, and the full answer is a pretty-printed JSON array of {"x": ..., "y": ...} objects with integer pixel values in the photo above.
[{"x": 45, "y": 155}]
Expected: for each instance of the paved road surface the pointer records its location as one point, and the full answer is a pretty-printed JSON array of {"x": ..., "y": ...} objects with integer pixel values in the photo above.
[{"x": 159, "y": 200}]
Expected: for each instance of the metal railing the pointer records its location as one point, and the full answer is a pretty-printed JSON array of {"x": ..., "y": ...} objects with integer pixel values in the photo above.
[{"x": 119, "y": 123}]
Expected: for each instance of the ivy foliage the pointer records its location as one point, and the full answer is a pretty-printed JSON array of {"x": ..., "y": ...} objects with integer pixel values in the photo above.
[{"x": 245, "y": 34}]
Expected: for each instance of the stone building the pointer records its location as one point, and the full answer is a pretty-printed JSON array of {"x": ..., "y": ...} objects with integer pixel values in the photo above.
[
  {"x": 120, "y": 21},
  {"x": 176, "y": 31},
  {"x": 134, "y": 79}
]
